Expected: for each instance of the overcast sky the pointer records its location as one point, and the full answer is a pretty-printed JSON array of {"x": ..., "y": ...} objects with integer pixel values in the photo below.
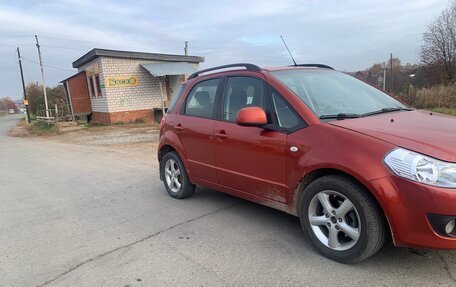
[{"x": 348, "y": 35}]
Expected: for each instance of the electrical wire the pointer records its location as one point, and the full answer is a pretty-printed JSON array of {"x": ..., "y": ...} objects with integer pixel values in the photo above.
[
  {"x": 51, "y": 67},
  {"x": 16, "y": 36},
  {"x": 72, "y": 40},
  {"x": 65, "y": 48}
]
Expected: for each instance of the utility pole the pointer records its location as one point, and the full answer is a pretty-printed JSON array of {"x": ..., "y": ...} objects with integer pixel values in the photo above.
[
  {"x": 42, "y": 77},
  {"x": 384, "y": 76},
  {"x": 391, "y": 70},
  {"x": 23, "y": 86},
  {"x": 186, "y": 48}
]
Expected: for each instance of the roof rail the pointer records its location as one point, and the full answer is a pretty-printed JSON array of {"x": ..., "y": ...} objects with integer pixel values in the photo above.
[
  {"x": 314, "y": 65},
  {"x": 249, "y": 67}
]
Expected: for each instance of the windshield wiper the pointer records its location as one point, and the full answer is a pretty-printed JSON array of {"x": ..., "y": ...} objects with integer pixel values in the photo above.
[
  {"x": 340, "y": 116},
  {"x": 385, "y": 110}
]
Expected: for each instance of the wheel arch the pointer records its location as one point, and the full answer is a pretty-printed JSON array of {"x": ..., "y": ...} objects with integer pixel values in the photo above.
[
  {"x": 166, "y": 148},
  {"x": 320, "y": 172}
]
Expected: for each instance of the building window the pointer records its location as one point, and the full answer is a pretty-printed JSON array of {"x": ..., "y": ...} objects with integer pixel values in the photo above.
[
  {"x": 98, "y": 84},
  {"x": 92, "y": 87}
]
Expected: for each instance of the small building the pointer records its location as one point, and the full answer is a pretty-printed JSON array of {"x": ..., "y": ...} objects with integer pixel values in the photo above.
[{"x": 121, "y": 86}]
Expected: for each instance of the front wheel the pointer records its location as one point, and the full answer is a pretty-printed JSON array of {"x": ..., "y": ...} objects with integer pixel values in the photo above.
[
  {"x": 341, "y": 219},
  {"x": 175, "y": 176}
]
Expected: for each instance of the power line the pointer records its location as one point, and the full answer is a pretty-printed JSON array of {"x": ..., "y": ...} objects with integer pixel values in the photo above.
[
  {"x": 66, "y": 48},
  {"x": 72, "y": 40},
  {"x": 15, "y": 36},
  {"x": 47, "y": 66}
]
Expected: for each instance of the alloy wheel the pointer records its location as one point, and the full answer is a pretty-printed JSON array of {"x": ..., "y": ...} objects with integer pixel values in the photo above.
[
  {"x": 173, "y": 175},
  {"x": 334, "y": 220}
]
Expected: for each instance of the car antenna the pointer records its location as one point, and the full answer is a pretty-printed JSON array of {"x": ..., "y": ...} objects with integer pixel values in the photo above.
[{"x": 286, "y": 46}]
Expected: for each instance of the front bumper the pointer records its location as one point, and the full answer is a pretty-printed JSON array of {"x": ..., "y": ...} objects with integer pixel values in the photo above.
[{"x": 407, "y": 205}]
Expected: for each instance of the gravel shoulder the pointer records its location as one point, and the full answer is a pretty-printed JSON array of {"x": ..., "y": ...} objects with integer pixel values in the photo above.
[{"x": 115, "y": 135}]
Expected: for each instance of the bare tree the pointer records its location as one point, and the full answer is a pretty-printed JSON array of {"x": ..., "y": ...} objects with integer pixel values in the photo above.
[
  {"x": 6, "y": 104},
  {"x": 439, "y": 42}
]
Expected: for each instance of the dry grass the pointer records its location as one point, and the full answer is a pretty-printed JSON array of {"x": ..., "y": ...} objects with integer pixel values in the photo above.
[
  {"x": 447, "y": 111},
  {"x": 440, "y": 96},
  {"x": 41, "y": 129}
]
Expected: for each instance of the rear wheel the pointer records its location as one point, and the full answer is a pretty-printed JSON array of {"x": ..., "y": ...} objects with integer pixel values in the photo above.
[
  {"x": 175, "y": 176},
  {"x": 341, "y": 219}
]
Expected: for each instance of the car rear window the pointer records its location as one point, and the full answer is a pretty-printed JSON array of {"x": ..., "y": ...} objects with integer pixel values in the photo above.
[
  {"x": 175, "y": 98},
  {"x": 200, "y": 102}
]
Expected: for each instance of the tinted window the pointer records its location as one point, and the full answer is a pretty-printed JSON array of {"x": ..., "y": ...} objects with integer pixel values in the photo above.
[
  {"x": 200, "y": 102},
  {"x": 175, "y": 98},
  {"x": 242, "y": 92}
]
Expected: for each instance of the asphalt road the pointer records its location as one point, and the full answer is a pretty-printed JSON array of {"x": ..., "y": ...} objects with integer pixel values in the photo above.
[{"x": 77, "y": 215}]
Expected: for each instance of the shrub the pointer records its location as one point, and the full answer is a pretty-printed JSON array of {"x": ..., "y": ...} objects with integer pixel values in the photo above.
[{"x": 438, "y": 96}]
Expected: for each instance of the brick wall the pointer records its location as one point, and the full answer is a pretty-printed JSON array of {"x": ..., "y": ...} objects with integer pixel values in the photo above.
[
  {"x": 123, "y": 117},
  {"x": 80, "y": 99},
  {"x": 101, "y": 118},
  {"x": 114, "y": 100},
  {"x": 145, "y": 96},
  {"x": 99, "y": 103}
]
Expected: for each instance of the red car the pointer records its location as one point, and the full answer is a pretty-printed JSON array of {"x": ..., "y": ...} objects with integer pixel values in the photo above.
[{"x": 355, "y": 164}]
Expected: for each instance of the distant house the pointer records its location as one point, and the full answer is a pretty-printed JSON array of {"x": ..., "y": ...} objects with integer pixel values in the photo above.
[
  {"x": 361, "y": 74},
  {"x": 12, "y": 108},
  {"x": 122, "y": 86}
]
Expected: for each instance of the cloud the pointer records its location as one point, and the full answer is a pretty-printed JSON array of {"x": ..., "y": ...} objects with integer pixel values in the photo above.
[{"x": 349, "y": 35}]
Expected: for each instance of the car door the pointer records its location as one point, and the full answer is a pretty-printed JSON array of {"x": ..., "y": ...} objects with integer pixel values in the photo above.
[
  {"x": 249, "y": 159},
  {"x": 195, "y": 126}
]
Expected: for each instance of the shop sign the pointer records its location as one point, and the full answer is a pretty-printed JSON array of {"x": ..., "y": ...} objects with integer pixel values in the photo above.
[{"x": 122, "y": 81}]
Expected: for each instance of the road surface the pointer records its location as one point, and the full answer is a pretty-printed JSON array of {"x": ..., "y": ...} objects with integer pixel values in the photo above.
[{"x": 80, "y": 215}]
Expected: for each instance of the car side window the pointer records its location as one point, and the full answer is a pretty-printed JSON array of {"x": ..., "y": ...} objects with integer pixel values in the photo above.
[
  {"x": 242, "y": 92},
  {"x": 287, "y": 119},
  {"x": 200, "y": 102},
  {"x": 175, "y": 98}
]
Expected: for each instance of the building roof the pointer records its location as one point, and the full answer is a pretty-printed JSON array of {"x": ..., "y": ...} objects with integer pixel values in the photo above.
[
  {"x": 95, "y": 53},
  {"x": 171, "y": 68},
  {"x": 81, "y": 72}
]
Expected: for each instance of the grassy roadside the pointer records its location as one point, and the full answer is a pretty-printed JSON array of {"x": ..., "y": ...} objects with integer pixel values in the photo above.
[
  {"x": 3, "y": 114},
  {"x": 41, "y": 129},
  {"x": 447, "y": 111}
]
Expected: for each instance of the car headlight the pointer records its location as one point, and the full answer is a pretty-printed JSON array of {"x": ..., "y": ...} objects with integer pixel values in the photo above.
[{"x": 421, "y": 168}]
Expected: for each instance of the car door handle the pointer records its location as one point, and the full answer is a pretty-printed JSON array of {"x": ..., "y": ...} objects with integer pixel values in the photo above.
[
  {"x": 221, "y": 135},
  {"x": 178, "y": 127}
]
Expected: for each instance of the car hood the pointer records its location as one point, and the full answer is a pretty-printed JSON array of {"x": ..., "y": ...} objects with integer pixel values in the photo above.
[{"x": 428, "y": 133}]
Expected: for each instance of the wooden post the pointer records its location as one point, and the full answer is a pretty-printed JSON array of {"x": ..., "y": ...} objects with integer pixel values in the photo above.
[
  {"x": 56, "y": 114},
  {"x": 68, "y": 94},
  {"x": 162, "y": 98}
]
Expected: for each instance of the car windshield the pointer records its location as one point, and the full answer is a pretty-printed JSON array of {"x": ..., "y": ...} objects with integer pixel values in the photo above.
[{"x": 330, "y": 93}]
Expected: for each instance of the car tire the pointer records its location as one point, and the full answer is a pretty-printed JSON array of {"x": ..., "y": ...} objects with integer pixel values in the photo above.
[
  {"x": 175, "y": 176},
  {"x": 342, "y": 219}
]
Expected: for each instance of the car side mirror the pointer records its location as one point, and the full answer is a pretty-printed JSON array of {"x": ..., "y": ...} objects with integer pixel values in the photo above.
[{"x": 251, "y": 117}]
